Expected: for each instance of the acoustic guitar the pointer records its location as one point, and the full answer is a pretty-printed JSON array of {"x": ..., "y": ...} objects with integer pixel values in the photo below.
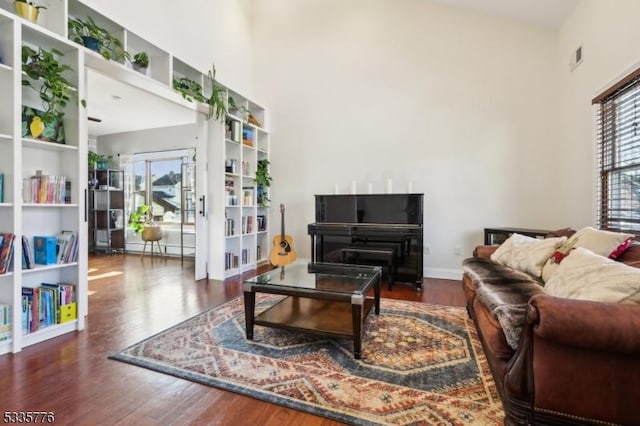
[{"x": 282, "y": 253}]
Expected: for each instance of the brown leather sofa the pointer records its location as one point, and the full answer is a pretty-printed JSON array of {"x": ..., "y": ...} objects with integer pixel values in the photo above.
[{"x": 577, "y": 362}]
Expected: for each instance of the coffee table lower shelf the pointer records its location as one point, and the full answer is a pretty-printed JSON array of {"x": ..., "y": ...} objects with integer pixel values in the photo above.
[{"x": 323, "y": 317}]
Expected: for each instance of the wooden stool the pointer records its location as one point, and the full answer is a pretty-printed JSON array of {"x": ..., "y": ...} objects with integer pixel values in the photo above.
[{"x": 153, "y": 234}]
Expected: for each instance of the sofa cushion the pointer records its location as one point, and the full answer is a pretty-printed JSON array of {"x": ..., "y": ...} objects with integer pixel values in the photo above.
[
  {"x": 604, "y": 243},
  {"x": 503, "y": 292},
  {"x": 587, "y": 276},
  {"x": 526, "y": 254}
]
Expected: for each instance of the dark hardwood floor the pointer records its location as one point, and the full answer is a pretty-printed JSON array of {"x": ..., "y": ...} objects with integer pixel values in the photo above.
[{"x": 129, "y": 300}]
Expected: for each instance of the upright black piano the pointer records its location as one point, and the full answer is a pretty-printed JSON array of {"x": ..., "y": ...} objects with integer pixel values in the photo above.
[{"x": 376, "y": 219}]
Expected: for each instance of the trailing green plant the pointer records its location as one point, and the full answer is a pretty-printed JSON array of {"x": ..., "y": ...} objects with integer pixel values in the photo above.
[
  {"x": 217, "y": 107},
  {"x": 263, "y": 179},
  {"x": 54, "y": 89},
  {"x": 110, "y": 47},
  {"x": 241, "y": 111},
  {"x": 141, "y": 217},
  {"x": 190, "y": 89},
  {"x": 141, "y": 59}
]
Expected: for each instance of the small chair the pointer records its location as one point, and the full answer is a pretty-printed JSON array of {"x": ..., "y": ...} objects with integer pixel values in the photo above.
[{"x": 153, "y": 234}]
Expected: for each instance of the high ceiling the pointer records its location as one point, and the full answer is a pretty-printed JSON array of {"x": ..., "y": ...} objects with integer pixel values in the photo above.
[
  {"x": 548, "y": 13},
  {"x": 123, "y": 108}
]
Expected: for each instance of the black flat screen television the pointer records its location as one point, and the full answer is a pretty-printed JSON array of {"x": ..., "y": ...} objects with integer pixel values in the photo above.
[{"x": 370, "y": 208}]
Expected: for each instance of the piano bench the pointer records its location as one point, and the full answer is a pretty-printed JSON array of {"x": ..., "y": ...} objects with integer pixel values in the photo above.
[{"x": 355, "y": 254}]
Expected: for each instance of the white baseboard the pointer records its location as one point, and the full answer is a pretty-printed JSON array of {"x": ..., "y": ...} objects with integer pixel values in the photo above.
[{"x": 443, "y": 273}]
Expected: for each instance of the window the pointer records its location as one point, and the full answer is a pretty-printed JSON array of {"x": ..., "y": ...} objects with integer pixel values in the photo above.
[
  {"x": 618, "y": 133},
  {"x": 158, "y": 183}
]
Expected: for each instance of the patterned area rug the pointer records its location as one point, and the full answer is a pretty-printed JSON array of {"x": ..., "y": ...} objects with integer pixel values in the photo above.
[{"x": 421, "y": 364}]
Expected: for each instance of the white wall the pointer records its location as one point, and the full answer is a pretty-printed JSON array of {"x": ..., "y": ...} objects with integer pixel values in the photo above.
[
  {"x": 608, "y": 32},
  {"x": 198, "y": 32},
  {"x": 462, "y": 104}
]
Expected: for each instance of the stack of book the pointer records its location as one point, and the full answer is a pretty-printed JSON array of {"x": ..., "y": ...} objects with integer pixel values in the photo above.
[
  {"x": 230, "y": 261},
  {"x": 46, "y": 189},
  {"x": 229, "y": 227},
  {"x": 246, "y": 256},
  {"x": 47, "y": 305},
  {"x": 5, "y": 322},
  {"x": 62, "y": 248}
]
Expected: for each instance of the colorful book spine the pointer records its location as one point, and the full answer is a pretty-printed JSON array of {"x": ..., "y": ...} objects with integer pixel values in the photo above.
[
  {"x": 6, "y": 252},
  {"x": 44, "y": 250}
]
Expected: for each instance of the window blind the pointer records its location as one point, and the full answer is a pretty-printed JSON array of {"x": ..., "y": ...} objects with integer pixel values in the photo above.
[{"x": 618, "y": 139}]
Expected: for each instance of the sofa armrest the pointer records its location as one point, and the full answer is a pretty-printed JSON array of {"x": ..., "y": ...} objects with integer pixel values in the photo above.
[
  {"x": 484, "y": 252},
  {"x": 578, "y": 357},
  {"x": 611, "y": 327}
]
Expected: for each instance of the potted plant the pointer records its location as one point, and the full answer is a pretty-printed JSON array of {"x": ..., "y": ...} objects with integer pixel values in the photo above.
[
  {"x": 263, "y": 181},
  {"x": 98, "y": 161},
  {"x": 94, "y": 37},
  {"x": 55, "y": 91},
  {"x": 190, "y": 89},
  {"x": 141, "y": 62},
  {"x": 27, "y": 10},
  {"x": 140, "y": 218}
]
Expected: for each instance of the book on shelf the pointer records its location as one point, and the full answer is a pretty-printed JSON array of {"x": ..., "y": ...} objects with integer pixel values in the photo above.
[
  {"x": 247, "y": 136},
  {"x": 5, "y": 322},
  {"x": 66, "y": 247},
  {"x": 1, "y": 187},
  {"x": 47, "y": 305},
  {"x": 46, "y": 189},
  {"x": 230, "y": 261},
  {"x": 27, "y": 255},
  {"x": 44, "y": 249},
  {"x": 6, "y": 251},
  {"x": 229, "y": 227},
  {"x": 262, "y": 222}
]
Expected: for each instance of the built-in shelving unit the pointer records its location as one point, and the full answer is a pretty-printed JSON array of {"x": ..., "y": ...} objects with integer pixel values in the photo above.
[
  {"x": 246, "y": 244},
  {"x": 43, "y": 182},
  {"x": 22, "y": 158}
]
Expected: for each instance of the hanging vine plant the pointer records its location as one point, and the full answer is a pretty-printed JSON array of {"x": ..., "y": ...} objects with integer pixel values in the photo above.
[
  {"x": 263, "y": 181},
  {"x": 45, "y": 74}
]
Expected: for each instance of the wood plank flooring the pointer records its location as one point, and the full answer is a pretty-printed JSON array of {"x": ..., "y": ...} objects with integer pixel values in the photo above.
[{"x": 130, "y": 299}]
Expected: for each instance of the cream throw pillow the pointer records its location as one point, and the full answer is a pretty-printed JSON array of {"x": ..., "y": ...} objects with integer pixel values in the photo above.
[
  {"x": 588, "y": 276},
  {"x": 526, "y": 254},
  {"x": 604, "y": 243}
]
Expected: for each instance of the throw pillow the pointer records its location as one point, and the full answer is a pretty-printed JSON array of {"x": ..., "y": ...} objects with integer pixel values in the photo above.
[
  {"x": 587, "y": 276},
  {"x": 526, "y": 254},
  {"x": 605, "y": 243}
]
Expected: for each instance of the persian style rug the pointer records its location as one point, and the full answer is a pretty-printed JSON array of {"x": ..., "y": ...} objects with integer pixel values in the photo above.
[{"x": 421, "y": 364}]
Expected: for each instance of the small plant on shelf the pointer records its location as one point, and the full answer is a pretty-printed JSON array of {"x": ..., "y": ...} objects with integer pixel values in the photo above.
[
  {"x": 28, "y": 9},
  {"x": 45, "y": 74},
  {"x": 98, "y": 161},
  {"x": 94, "y": 37},
  {"x": 141, "y": 62},
  {"x": 190, "y": 89},
  {"x": 263, "y": 181}
]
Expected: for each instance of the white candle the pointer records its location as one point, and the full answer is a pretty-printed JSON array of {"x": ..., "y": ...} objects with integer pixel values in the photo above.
[
  {"x": 353, "y": 186},
  {"x": 389, "y": 186},
  {"x": 409, "y": 187},
  {"x": 336, "y": 190},
  {"x": 370, "y": 189}
]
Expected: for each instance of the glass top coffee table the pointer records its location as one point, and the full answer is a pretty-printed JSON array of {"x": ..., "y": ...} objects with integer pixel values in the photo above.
[{"x": 323, "y": 298}]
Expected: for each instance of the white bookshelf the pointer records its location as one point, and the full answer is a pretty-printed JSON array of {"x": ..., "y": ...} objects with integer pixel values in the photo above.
[{"x": 21, "y": 157}]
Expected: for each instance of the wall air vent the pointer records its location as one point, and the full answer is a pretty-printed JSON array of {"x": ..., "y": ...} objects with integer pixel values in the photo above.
[{"x": 576, "y": 58}]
